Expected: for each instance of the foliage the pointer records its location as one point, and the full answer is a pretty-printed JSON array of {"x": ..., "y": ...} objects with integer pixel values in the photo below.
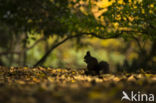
[
  {"x": 68, "y": 19},
  {"x": 129, "y": 18},
  {"x": 135, "y": 20},
  {"x": 45, "y": 17},
  {"x": 40, "y": 16}
]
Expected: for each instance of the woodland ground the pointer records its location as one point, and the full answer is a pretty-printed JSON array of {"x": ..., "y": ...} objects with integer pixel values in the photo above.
[{"x": 48, "y": 85}]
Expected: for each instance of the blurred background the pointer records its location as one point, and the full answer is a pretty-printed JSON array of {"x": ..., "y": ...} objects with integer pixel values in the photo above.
[{"x": 58, "y": 33}]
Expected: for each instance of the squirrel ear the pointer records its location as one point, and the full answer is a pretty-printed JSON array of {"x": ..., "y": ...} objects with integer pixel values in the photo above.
[{"x": 88, "y": 53}]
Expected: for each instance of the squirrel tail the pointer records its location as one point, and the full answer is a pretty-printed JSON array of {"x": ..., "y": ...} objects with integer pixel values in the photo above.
[{"x": 104, "y": 67}]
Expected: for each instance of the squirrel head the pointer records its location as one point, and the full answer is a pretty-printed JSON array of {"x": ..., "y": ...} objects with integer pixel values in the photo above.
[
  {"x": 87, "y": 56},
  {"x": 88, "y": 53}
]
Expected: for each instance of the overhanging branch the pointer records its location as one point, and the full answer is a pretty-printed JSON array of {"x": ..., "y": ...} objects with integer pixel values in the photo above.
[{"x": 42, "y": 60}]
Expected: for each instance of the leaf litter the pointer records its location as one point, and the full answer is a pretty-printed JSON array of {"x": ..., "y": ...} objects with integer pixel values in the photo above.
[{"x": 49, "y": 85}]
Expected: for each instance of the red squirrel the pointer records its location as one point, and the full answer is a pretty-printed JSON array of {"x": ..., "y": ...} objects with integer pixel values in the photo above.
[{"x": 93, "y": 67}]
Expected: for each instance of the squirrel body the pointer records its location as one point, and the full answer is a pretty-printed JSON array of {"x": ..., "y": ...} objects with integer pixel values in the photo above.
[
  {"x": 104, "y": 67},
  {"x": 93, "y": 67}
]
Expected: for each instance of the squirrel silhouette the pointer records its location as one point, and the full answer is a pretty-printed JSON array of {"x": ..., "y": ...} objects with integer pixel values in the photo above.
[{"x": 93, "y": 67}]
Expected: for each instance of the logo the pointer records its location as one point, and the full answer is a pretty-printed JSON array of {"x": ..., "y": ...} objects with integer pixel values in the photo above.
[{"x": 137, "y": 96}]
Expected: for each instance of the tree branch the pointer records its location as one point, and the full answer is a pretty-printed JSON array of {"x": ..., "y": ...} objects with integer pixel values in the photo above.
[
  {"x": 6, "y": 53},
  {"x": 33, "y": 45},
  {"x": 18, "y": 52},
  {"x": 42, "y": 60}
]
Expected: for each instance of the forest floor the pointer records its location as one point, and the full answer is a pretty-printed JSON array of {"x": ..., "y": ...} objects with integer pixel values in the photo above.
[{"x": 48, "y": 85}]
